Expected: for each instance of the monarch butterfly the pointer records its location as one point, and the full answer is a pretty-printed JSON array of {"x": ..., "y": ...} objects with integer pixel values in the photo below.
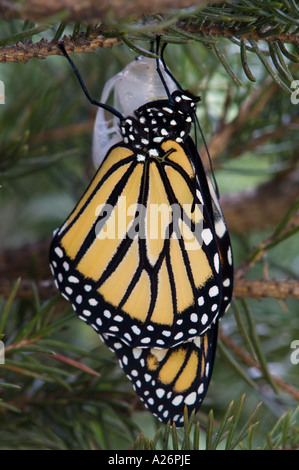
[{"x": 154, "y": 288}]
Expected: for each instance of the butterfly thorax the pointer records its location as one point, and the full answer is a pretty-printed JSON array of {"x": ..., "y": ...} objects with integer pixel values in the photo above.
[{"x": 157, "y": 121}]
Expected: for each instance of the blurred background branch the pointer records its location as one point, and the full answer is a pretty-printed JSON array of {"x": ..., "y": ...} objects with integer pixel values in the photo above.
[
  {"x": 272, "y": 288},
  {"x": 90, "y": 11}
]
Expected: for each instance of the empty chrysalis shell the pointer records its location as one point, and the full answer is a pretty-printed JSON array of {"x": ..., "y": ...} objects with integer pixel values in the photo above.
[{"x": 136, "y": 84}]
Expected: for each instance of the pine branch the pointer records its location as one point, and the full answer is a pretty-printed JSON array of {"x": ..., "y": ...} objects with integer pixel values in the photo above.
[
  {"x": 232, "y": 15},
  {"x": 242, "y": 24},
  {"x": 21, "y": 52},
  {"x": 271, "y": 288},
  {"x": 239, "y": 352},
  {"x": 224, "y": 434},
  {"x": 236, "y": 32}
]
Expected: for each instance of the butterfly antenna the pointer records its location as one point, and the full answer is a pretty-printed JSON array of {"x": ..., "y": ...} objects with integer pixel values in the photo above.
[
  {"x": 158, "y": 68},
  {"x": 86, "y": 92},
  {"x": 166, "y": 69}
]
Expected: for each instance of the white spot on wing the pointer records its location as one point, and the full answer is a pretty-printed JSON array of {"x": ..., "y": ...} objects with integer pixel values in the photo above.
[{"x": 220, "y": 228}]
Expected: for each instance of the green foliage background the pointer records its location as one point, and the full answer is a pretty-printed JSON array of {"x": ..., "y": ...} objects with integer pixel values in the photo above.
[{"x": 60, "y": 388}]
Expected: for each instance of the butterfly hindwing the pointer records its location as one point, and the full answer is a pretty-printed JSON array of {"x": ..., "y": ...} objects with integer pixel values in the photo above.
[{"x": 168, "y": 380}]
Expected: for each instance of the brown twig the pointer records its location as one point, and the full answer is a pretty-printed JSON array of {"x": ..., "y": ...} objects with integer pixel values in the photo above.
[
  {"x": 235, "y": 32},
  {"x": 272, "y": 288},
  {"x": 92, "y": 12},
  {"x": 21, "y": 52}
]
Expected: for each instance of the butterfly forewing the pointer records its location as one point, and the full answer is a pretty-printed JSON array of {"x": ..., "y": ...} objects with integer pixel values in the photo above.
[{"x": 135, "y": 257}]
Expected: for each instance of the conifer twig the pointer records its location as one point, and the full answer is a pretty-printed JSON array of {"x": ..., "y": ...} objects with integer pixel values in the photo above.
[
  {"x": 21, "y": 52},
  {"x": 232, "y": 32},
  {"x": 245, "y": 357},
  {"x": 267, "y": 289}
]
